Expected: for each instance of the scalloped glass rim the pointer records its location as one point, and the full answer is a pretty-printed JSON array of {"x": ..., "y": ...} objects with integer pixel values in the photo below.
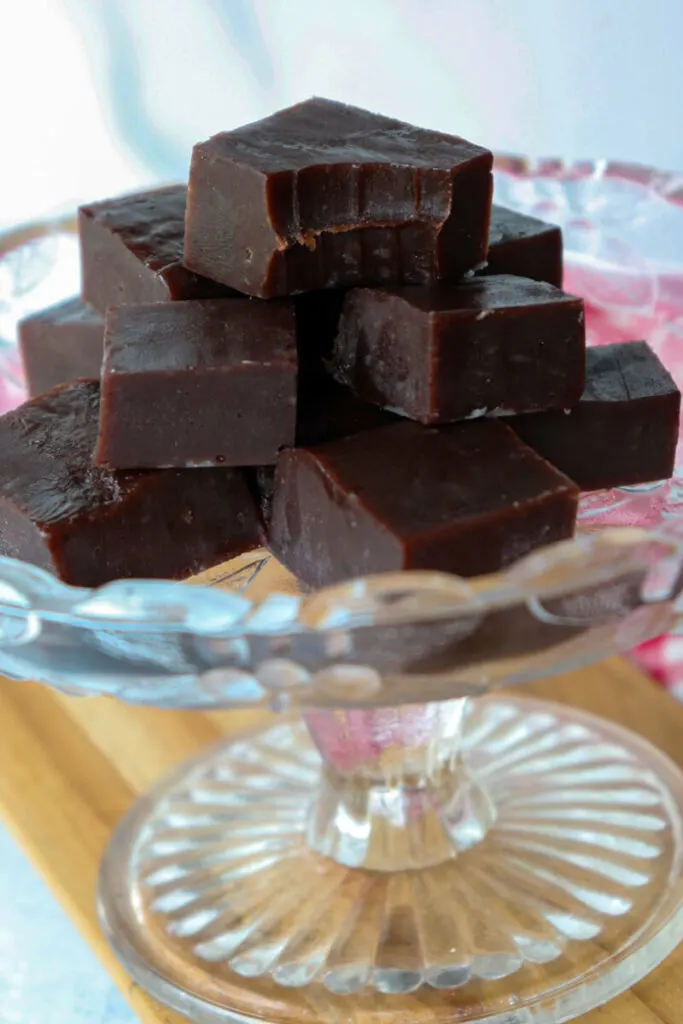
[{"x": 587, "y": 561}]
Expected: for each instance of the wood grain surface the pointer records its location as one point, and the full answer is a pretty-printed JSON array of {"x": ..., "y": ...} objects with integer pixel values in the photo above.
[{"x": 70, "y": 768}]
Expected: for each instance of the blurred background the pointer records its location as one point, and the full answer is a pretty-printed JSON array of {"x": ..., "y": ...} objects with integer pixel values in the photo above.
[{"x": 99, "y": 96}]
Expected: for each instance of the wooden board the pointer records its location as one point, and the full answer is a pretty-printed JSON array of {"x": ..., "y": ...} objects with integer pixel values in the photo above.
[{"x": 70, "y": 768}]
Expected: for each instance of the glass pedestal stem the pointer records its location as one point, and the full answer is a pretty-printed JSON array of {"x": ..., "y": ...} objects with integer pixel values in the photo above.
[{"x": 395, "y": 792}]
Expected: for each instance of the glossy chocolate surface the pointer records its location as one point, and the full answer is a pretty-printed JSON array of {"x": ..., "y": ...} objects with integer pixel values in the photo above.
[
  {"x": 625, "y": 428},
  {"x": 466, "y": 499},
  {"x": 60, "y": 344},
  {"x": 443, "y": 353},
  {"x": 324, "y": 195},
  {"x": 193, "y": 384},
  {"x": 524, "y": 246},
  {"x": 132, "y": 250},
  {"x": 89, "y": 525}
]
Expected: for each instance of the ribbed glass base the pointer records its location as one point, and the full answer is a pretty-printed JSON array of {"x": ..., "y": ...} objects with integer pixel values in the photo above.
[{"x": 559, "y": 884}]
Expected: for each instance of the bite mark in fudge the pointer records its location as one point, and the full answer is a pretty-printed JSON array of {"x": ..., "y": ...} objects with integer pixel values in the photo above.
[
  {"x": 194, "y": 384},
  {"x": 324, "y": 195},
  {"x": 89, "y": 525},
  {"x": 467, "y": 499},
  {"x": 438, "y": 354},
  {"x": 60, "y": 344},
  {"x": 623, "y": 431},
  {"x": 132, "y": 251},
  {"x": 524, "y": 246}
]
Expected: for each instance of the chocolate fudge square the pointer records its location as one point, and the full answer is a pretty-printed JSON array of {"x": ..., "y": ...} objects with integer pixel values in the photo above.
[
  {"x": 467, "y": 499},
  {"x": 496, "y": 344},
  {"x": 623, "y": 431},
  {"x": 60, "y": 344},
  {"x": 89, "y": 525},
  {"x": 194, "y": 384},
  {"x": 324, "y": 195},
  {"x": 132, "y": 251},
  {"x": 524, "y": 246}
]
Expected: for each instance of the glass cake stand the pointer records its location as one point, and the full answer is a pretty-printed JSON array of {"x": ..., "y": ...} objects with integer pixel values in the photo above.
[{"x": 399, "y": 839}]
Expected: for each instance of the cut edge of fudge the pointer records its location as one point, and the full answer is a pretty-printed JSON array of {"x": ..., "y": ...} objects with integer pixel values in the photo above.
[
  {"x": 132, "y": 250},
  {"x": 59, "y": 511},
  {"x": 59, "y": 344},
  {"x": 491, "y": 345},
  {"x": 623, "y": 431},
  {"x": 328, "y": 524},
  {"x": 197, "y": 383},
  {"x": 524, "y": 245}
]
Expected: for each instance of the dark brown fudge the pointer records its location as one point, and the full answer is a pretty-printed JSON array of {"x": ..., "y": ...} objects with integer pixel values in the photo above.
[
  {"x": 438, "y": 354},
  {"x": 88, "y": 525},
  {"x": 323, "y": 195},
  {"x": 524, "y": 246},
  {"x": 60, "y": 344},
  {"x": 195, "y": 384},
  {"x": 466, "y": 499},
  {"x": 132, "y": 251},
  {"x": 326, "y": 411},
  {"x": 625, "y": 428}
]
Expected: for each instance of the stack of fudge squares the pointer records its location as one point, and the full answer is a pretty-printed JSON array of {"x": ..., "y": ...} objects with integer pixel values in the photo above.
[{"x": 332, "y": 343}]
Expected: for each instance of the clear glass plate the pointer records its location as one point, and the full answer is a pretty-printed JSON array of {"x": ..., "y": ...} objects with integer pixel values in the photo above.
[{"x": 393, "y": 846}]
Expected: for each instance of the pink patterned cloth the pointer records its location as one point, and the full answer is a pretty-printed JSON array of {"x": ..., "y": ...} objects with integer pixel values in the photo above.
[
  {"x": 12, "y": 386},
  {"x": 654, "y": 658}
]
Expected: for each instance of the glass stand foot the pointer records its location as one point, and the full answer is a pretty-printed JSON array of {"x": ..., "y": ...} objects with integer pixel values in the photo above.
[{"x": 213, "y": 899}]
